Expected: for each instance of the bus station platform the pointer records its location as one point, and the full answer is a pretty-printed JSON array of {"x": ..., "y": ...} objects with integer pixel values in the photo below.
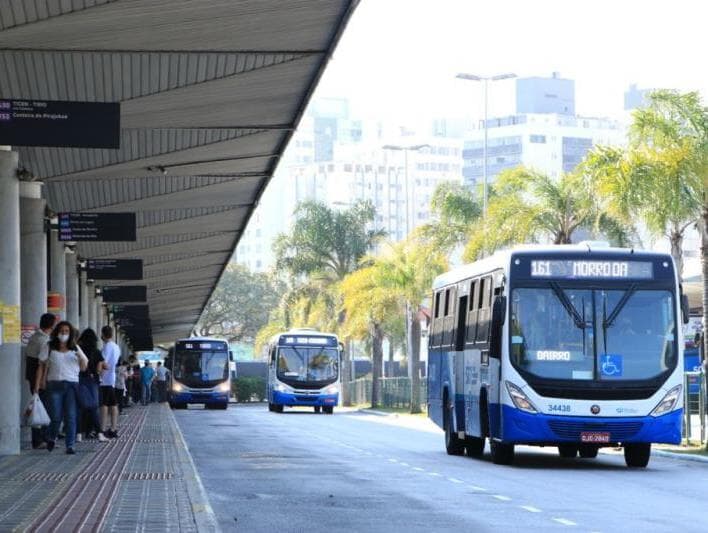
[{"x": 143, "y": 481}]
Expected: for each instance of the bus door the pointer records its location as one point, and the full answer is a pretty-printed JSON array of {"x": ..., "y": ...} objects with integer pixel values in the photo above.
[{"x": 459, "y": 353}]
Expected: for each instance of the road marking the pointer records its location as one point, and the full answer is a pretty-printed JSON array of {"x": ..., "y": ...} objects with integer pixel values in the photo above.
[
  {"x": 403, "y": 464},
  {"x": 565, "y": 522},
  {"x": 418, "y": 469},
  {"x": 368, "y": 453},
  {"x": 393, "y": 460},
  {"x": 433, "y": 474},
  {"x": 455, "y": 480},
  {"x": 475, "y": 487},
  {"x": 502, "y": 498},
  {"x": 530, "y": 508}
]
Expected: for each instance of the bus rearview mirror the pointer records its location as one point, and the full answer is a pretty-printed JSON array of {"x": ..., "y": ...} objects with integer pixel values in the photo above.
[
  {"x": 685, "y": 309},
  {"x": 495, "y": 334}
]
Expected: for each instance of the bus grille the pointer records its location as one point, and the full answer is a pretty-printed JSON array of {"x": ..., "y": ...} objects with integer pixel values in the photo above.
[{"x": 619, "y": 431}]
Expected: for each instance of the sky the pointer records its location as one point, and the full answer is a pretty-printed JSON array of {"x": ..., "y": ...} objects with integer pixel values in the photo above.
[{"x": 398, "y": 58}]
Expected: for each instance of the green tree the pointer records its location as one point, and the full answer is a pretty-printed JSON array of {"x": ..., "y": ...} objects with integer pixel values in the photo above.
[
  {"x": 529, "y": 206},
  {"x": 368, "y": 309},
  {"x": 454, "y": 211},
  {"x": 240, "y": 305},
  {"x": 407, "y": 270},
  {"x": 328, "y": 244}
]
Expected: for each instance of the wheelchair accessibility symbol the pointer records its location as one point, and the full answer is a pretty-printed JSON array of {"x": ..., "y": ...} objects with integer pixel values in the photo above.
[{"x": 611, "y": 365}]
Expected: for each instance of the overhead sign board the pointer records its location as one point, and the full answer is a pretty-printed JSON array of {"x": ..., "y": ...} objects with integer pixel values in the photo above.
[
  {"x": 122, "y": 269},
  {"x": 124, "y": 293},
  {"x": 97, "y": 227},
  {"x": 59, "y": 123}
]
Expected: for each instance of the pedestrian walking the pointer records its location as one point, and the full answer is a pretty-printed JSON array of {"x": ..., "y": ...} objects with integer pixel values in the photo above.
[
  {"x": 147, "y": 374},
  {"x": 109, "y": 405},
  {"x": 61, "y": 360},
  {"x": 34, "y": 345},
  {"x": 161, "y": 378},
  {"x": 121, "y": 376},
  {"x": 89, "y": 381}
]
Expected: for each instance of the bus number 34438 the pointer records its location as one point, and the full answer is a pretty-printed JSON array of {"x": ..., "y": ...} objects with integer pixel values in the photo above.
[{"x": 559, "y": 408}]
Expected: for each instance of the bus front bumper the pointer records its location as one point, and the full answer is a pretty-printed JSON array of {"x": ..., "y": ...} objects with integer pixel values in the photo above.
[
  {"x": 519, "y": 427},
  {"x": 199, "y": 397},
  {"x": 315, "y": 400}
]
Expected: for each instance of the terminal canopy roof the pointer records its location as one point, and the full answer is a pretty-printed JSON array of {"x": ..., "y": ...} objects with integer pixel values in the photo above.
[{"x": 210, "y": 94}]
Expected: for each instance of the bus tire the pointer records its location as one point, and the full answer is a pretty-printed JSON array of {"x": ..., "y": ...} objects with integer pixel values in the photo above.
[
  {"x": 317, "y": 408},
  {"x": 502, "y": 454},
  {"x": 588, "y": 451},
  {"x": 270, "y": 407},
  {"x": 277, "y": 408},
  {"x": 453, "y": 444},
  {"x": 474, "y": 446},
  {"x": 328, "y": 409},
  {"x": 567, "y": 451},
  {"x": 637, "y": 455}
]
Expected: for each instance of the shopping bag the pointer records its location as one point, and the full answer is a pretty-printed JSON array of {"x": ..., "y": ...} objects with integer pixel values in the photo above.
[
  {"x": 36, "y": 413},
  {"x": 87, "y": 393}
]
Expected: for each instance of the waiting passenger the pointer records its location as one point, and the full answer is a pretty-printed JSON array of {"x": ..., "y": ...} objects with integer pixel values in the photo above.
[
  {"x": 89, "y": 419},
  {"x": 109, "y": 407}
]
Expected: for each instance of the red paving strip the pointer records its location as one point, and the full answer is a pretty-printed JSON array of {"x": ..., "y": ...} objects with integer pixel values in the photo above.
[{"x": 93, "y": 487}]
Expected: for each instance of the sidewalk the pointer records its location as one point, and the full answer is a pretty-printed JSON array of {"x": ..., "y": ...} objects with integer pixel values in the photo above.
[{"x": 143, "y": 481}]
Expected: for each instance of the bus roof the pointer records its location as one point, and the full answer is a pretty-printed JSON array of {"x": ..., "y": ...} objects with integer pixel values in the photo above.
[
  {"x": 201, "y": 339},
  {"x": 302, "y": 332},
  {"x": 502, "y": 258}
]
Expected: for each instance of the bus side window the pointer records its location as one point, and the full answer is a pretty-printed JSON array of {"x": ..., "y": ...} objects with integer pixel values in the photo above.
[
  {"x": 472, "y": 312},
  {"x": 435, "y": 327},
  {"x": 448, "y": 321},
  {"x": 272, "y": 354},
  {"x": 485, "y": 295}
]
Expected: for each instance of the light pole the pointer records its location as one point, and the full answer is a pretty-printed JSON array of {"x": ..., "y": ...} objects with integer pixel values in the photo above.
[
  {"x": 405, "y": 150},
  {"x": 485, "y": 80}
]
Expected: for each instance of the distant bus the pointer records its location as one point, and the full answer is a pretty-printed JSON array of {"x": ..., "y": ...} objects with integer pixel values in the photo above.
[
  {"x": 199, "y": 373},
  {"x": 567, "y": 346},
  {"x": 303, "y": 370}
]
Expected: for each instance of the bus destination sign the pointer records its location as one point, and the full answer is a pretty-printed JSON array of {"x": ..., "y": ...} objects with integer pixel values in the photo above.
[
  {"x": 583, "y": 269},
  {"x": 97, "y": 227},
  {"x": 60, "y": 123},
  {"x": 124, "y": 293},
  {"x": 122, "y": 269}
]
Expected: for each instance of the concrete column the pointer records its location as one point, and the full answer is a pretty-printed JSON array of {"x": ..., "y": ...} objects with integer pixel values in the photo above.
[
  {"x": 33, "y": 263},
  {"x": 100, "y": 315},
  {"x": 10, "y": 361},
  {"x": 83, "y": 297},
  {"x": 72, "y": 289},
  {"x": 90, "y": 305},
  {"x": 57, "y": 274}
]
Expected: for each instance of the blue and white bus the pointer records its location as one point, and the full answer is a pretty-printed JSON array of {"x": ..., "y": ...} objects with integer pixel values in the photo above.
[
  {"x": 199, "y": 373},
  {"x": 303, "y": 370},
  {"x": 572, "y": 346}
]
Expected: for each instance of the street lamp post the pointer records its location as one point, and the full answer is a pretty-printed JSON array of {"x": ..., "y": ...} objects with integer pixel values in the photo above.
[
  {"x": 406, "y": 149},
  {"x": 485, "y": 80}
]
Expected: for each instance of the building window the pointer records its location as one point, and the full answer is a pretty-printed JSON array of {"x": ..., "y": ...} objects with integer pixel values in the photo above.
[{"x": 540, "y": 139}]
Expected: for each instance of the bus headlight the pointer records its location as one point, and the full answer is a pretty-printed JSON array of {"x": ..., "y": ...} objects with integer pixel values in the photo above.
[
  {"x": 224, "y": 387},
  {"x": 521, "y": 401},
  {"x": 177, "y": 387},
  {"x": 332, "y": 389},
  {"x": 668, "y": 403},
  {"x": 280, "y": 387}
]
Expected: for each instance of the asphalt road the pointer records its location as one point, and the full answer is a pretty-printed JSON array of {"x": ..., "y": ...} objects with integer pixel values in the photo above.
[{"x": 358, "y": 472}]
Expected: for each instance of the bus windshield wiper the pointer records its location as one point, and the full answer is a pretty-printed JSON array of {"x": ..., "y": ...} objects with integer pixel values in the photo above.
[
  {"x": 607, "y": 322},
  {"x": 568, "y": 305}
]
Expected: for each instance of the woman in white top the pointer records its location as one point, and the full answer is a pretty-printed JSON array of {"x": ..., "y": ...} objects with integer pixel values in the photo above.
[{"x": 61, "y": 361}]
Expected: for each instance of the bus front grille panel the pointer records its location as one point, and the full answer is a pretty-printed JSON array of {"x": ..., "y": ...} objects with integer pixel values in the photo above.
[{"x": 619, "y": 430}]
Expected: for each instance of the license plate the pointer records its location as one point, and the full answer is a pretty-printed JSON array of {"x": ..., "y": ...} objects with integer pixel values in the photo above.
[{"x": 594, "y": 437}]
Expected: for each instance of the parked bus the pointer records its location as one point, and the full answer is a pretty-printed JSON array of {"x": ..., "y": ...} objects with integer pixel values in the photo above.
[
  {"x": 303, "y": 370},
  {"x": 570, "y": 346},
  {"x": 199, "y": 373}
]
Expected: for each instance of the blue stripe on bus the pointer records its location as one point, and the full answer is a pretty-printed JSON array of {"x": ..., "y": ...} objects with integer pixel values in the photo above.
[
  {"x": 284, "y": 398},
  {"x": 526, "y": 428}
]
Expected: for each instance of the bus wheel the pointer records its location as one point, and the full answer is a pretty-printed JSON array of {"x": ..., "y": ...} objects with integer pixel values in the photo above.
[
  {"x": 453, "y": 444},
  {"x": 277, "y": 408},
  {"x": 588, "y": 451},
  {"x": 328, "y": 409},
  {"x": 474, "y": 446},
  {"x": 270, "y": 407},
  {"x": 502, "y": 454},
  {"x": 637, "y": 455},
  {"x": 318, "y": 408},
  {"x": 217, "y": 405},
  {"x": 567, "y": 451}
]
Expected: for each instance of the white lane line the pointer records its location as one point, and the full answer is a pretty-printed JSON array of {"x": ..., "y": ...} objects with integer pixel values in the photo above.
[
  {"x": 455, "y": 480},
  {"x": 418, "y": 469},
  {"x": 368, "y": 453},
  {"x": 480, "y": 489},
  {"x": 530, "y": 508},
  {"x": 433, "y": 474},
  {"x": 565, "y": 521},
  {"x": 403, "y": 464},
  {"x": 502, "y": 498},
  {"x": 393, "y": 460}
]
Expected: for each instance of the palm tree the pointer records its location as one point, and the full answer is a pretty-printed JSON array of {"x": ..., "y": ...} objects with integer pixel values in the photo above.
[
  {"x": 454, "y": 210},
  {"x": 529, "y": 206},
  {"x": 407, "y": 270}
]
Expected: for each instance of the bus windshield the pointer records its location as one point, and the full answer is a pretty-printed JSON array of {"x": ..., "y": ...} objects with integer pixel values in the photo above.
[
  {"x": 308, "y": 364},
  {"x": 201, "y": 367},
  {"x": 592, "y": 334}
]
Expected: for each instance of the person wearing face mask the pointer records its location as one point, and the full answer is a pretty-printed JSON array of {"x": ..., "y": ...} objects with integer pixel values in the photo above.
[{"x": 61, "y": 360}]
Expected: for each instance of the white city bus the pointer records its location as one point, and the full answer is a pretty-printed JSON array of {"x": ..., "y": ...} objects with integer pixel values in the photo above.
[{"x": 571, "y": 346}]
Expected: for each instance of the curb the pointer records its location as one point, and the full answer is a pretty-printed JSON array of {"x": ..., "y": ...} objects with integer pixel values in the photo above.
[{"x": 681, "y": 456}]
